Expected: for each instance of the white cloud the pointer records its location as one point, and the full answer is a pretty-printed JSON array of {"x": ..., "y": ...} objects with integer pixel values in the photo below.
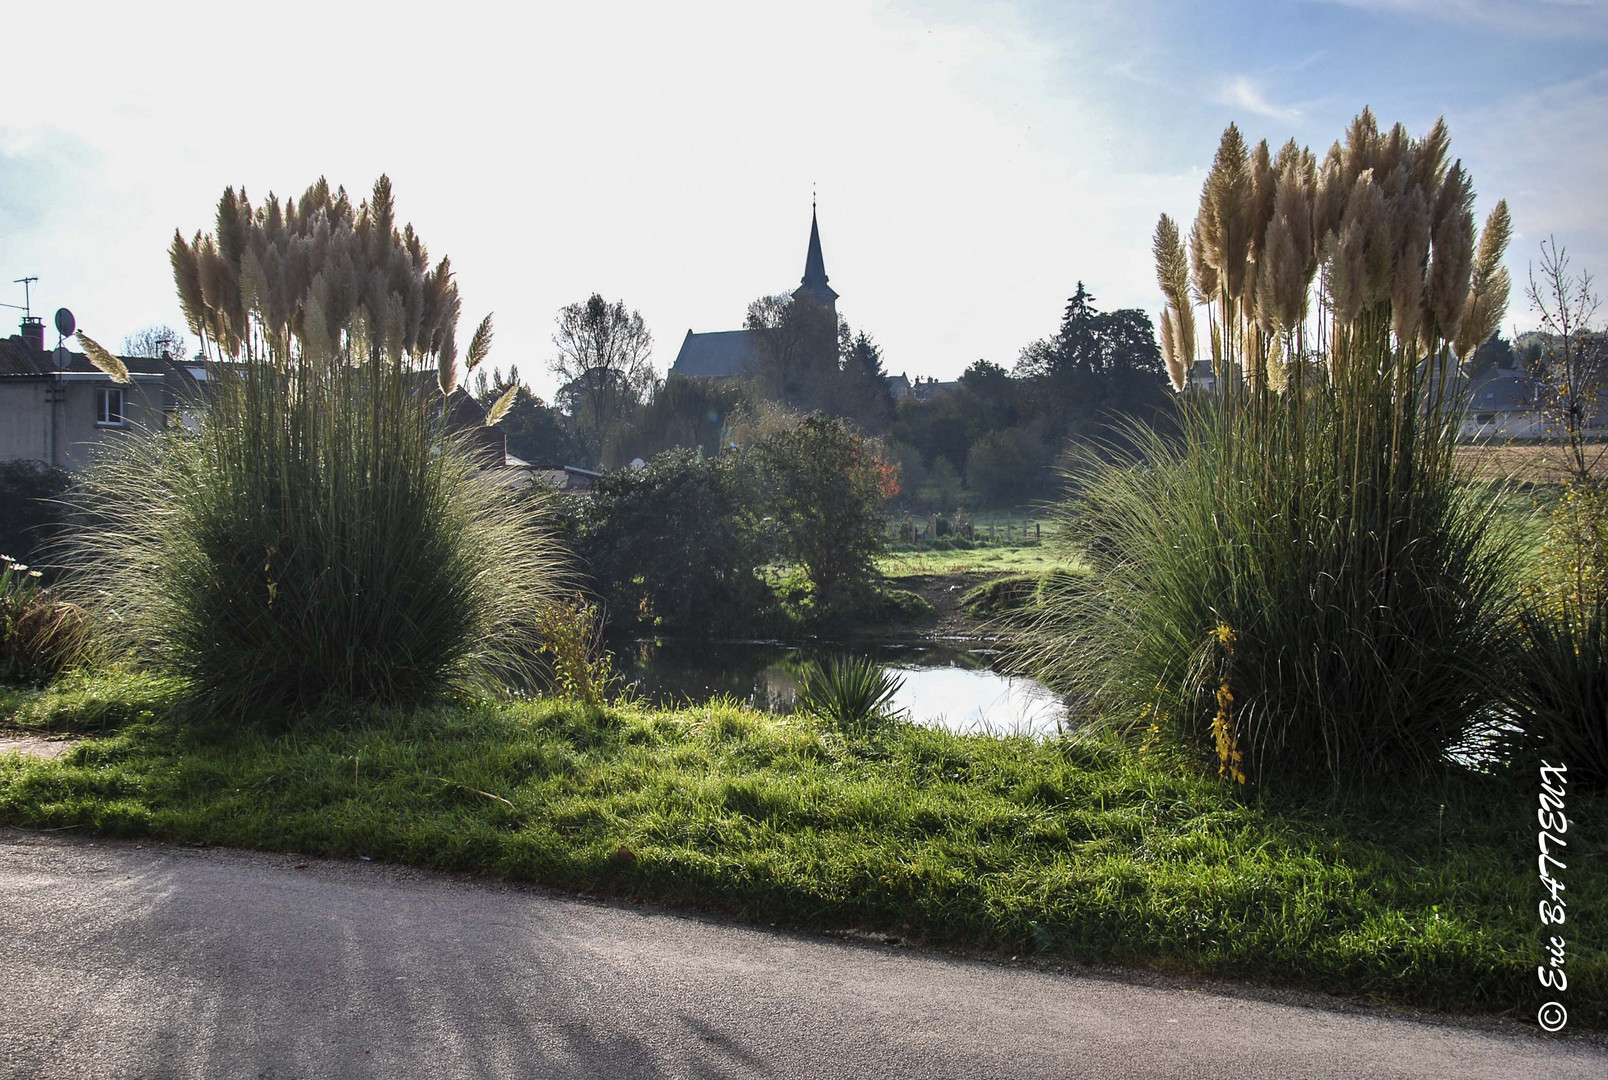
[{"x": 1240, "y": 92}]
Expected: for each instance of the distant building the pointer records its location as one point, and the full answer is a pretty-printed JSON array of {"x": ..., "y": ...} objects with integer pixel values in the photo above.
[
  {"x": 57, "y": 407},
  {"x": 726, "y": 354}
]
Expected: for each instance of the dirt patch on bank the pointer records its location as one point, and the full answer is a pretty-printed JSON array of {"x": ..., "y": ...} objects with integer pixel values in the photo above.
[
  {"x": 40, "y": 746},
  {"x": 943, "y": 592}
]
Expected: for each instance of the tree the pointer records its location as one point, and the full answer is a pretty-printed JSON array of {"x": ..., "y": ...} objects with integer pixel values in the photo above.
[
  {"x": 863, "y": 393},
  {"x": 693, "y": 413},
  {"x": 1573, "y": 364},
  {"x": 604, "y": 366},
  {"x": 155, "y": 342},
  {"x": 535, "y": 431},
  {"x": 826, "y": 487},
  {"x": 798, "y": 348},
  {"x": 1494, "y": 352}
]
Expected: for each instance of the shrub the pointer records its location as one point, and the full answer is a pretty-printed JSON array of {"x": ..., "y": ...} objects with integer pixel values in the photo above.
[
  {"x": 1299, "y": 581},
  {"x": 1001, "y": 596},
  {"x": 325, "y": 534},
  {"x": 31, "y": 492},
  {"x": 676, "y": 546}
]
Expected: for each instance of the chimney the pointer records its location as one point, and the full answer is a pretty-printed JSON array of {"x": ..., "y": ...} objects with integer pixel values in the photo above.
[{"x": 33, "y": 332}]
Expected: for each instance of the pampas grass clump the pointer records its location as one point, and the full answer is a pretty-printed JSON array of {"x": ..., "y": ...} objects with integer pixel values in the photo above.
[
  {"x": 1300, "y": 584},
  {"x": 324, "y": 535}
]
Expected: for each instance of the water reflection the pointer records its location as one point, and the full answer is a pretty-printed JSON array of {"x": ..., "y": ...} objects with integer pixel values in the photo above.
[{"x": 946, "y": 687}]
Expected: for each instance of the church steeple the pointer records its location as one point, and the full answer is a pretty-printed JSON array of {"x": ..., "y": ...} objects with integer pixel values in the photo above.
[{"x": 813, "y": 286}]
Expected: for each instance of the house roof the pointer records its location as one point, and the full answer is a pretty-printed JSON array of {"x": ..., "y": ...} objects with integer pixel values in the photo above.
[
  {"x": 1503, "y": 391},
  {"x": 18, "y": 358},
  {"x": 722, "y": 354}
]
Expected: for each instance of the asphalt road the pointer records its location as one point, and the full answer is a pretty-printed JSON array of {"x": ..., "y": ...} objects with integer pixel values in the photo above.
[{"x": 128, "y": 961}]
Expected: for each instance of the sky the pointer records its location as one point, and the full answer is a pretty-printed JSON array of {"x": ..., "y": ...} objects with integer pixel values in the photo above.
[{"x": 971, "y": 161}]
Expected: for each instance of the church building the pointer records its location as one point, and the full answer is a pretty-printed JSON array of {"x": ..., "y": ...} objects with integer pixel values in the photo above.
[{"x": 725, "y": 354}]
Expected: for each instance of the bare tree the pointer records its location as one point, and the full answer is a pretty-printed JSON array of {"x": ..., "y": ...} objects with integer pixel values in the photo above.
[
  {"x": 798, "y": 347},
  {"x": 603, "y": 364},
  {"x": 155, "y": 342},
  {"x": 1574, "y": 363}
]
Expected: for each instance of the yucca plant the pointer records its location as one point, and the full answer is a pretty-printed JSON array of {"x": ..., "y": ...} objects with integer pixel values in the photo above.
[
  {"x": 849, "y": 694},
  {"x": 1299, "y": 582},
  {"x": 325, "y": 533}
]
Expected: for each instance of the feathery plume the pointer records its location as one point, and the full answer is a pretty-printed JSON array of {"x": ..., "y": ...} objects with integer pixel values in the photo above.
[
  {"x": 1488, "y": 291},
  {"x": 1228, "y": 189},
  {"x": 1451, "y": 253},
  {"x": 1410, "y": 224},
  {"x": 187, "y": 277},
  {"x": 1204, "y": 276},
  {"x": 1169, "y": 350},
  {"x": 479, "y": 345},
  {"x": 102, "y": 359},
  {"x": 502, "y": 405}
]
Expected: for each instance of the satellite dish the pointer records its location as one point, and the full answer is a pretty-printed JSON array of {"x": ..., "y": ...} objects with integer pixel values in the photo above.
[
  {"x": 638, "y": 463},
  {"x": 65, "y": 323},
  {"x": 61, "y": 356}
]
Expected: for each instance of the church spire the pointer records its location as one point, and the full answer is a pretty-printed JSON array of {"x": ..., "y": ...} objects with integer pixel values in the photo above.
[{"x": 813, "y": 285}]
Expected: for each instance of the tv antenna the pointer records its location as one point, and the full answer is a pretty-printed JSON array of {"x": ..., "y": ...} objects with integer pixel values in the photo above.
[{"x": 24, "y": 306}]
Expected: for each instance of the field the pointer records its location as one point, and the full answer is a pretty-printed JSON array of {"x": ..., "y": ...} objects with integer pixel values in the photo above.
[{"x": 1527, "y": 463}]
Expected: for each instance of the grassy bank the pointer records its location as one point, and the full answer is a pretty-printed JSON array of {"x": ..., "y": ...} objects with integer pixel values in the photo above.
[{"x": 1089, "y": 851}]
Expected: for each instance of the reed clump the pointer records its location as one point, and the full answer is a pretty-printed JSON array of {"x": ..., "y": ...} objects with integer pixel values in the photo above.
[
  {"x": 1299, "y": 583},
  {"x": 325, "y": 533}
]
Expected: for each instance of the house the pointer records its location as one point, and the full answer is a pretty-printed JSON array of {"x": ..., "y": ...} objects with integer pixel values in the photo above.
[
  {"x": 57, "y": 407},
  {"x": 1504, "y": 404},
  {"x": 727, "y": 354}
]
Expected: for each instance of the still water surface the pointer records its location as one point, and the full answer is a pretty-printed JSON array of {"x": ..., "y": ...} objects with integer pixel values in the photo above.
[{"x": 951, "y": 687}]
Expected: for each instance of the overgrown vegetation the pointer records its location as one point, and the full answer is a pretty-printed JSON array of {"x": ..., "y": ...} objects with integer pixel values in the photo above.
[
  {"x": 325, "y": 533},
  {"x": 1073, "y": 848}
]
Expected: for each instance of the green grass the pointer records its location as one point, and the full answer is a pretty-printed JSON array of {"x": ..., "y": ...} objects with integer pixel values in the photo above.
[
  {"x": 991, "y": 559},
  {"x": 1090, "y": 851}
]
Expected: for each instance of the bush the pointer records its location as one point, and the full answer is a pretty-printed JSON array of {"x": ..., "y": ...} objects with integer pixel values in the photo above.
[
  {"x": 676, "y": 546},
  {"x": 30, "y": 492},
  {"x": 325, "y": 534},
  {"x": 1275, "y": 612},
  {"x": 1002, "y": 596}
]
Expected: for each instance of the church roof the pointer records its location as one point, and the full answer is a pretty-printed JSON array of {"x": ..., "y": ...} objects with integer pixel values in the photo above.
[
  {"x": 813, "y": 284},
  {"x": 722, "y": 354}
]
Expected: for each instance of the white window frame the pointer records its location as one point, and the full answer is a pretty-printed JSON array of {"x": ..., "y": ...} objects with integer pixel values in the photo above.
[{"x": 103, "y": 413}]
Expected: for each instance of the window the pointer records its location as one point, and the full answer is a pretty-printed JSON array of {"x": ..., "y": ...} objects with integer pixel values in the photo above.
[{"x": 109, "y": 406}]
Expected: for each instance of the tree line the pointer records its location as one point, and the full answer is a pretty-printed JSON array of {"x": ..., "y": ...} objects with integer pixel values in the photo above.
[{"x": 992, "y": 438}]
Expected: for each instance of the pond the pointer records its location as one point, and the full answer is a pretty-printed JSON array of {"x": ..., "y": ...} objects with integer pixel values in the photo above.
[{"x": 947, "y": 686}]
